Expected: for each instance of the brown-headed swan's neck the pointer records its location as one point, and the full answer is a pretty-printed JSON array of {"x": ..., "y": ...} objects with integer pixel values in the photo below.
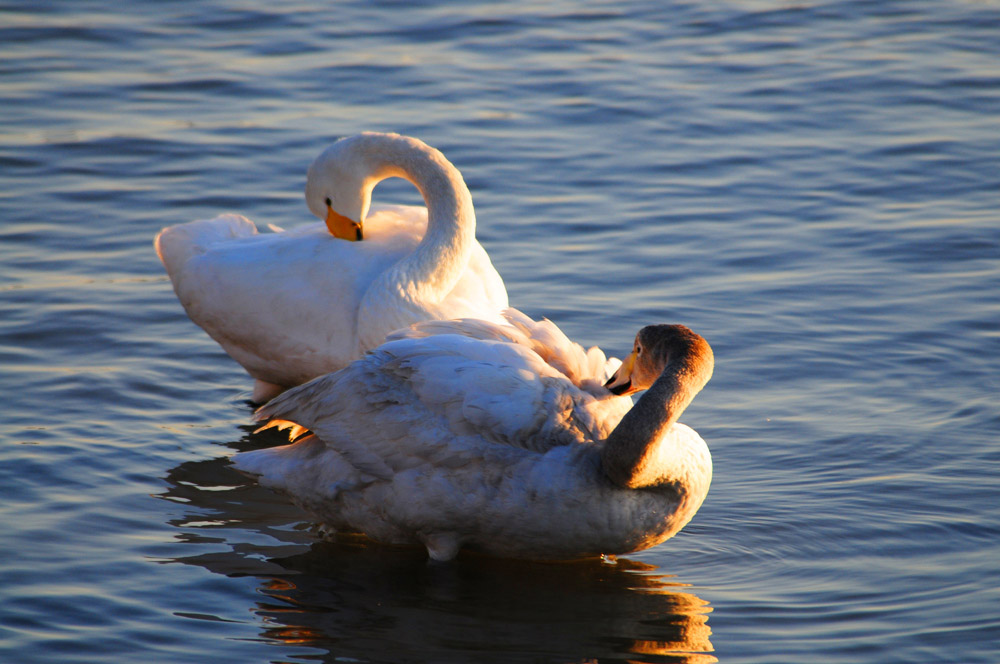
[{"x": 628, "y": 453}]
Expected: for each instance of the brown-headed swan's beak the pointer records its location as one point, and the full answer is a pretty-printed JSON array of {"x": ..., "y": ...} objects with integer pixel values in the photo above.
[{"x": 621, "y": 382}]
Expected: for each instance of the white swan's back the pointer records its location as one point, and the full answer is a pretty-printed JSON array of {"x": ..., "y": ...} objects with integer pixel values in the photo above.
[
  {"x": 176, "y": 245},
  {"x": 269, "y": 300}
]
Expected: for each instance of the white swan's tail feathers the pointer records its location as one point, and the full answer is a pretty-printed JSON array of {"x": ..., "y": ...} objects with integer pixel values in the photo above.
[{"x": 175, "y": 245}]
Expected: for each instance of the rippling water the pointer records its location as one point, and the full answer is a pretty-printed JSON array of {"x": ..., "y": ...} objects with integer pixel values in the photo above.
[{"x": 813, "y": 186}]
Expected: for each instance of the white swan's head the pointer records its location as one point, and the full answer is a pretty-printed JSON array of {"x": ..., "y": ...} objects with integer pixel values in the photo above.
[
  {"x": 339, "y": 187},
  {"x": 658, "y": 348}
]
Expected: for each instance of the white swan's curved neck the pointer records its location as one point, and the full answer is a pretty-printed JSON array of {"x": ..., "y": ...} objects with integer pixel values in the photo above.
[{"x": 435, "y": 266}]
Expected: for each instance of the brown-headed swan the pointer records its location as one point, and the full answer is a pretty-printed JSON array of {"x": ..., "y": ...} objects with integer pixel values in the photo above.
[{"x": 502, "y": 439}]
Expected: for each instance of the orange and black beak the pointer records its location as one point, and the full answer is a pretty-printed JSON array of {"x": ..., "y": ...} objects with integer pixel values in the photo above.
[
  {"x": 343, "y": 227},
  {"x": 621, "y": 382}
]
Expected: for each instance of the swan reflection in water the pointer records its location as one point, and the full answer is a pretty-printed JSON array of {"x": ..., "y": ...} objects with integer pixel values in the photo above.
[{"x": 349, "y": 597}]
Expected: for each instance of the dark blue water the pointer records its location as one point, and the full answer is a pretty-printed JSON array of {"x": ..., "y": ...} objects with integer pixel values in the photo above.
[{"x": 812, "y": 186}]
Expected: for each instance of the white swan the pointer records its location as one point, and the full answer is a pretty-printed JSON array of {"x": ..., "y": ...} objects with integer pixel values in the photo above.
[
  {"x": 468, "y": 434},
  {"x": 290, "y": 306}
]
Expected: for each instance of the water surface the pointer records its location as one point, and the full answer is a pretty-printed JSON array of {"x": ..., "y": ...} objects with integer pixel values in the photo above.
[{"x": 814, "y": 187}]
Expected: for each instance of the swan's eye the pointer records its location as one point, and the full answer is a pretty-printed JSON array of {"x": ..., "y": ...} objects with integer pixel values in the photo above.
[
  {"x": 638, "y": 350},
  {"x": 329, "y": 203}
]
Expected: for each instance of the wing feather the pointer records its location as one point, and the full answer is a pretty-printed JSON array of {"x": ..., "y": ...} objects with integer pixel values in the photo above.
[{"x": 447, "y": 393}]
